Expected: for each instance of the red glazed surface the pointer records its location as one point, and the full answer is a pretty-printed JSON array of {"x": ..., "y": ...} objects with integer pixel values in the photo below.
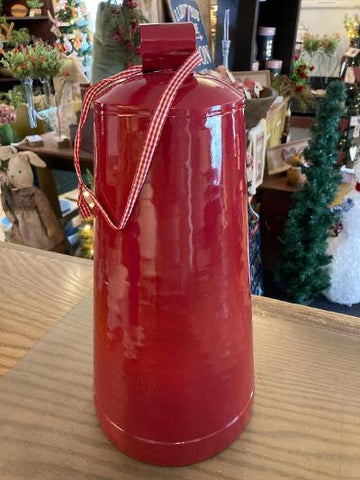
[{"x": 173, "y": 337}]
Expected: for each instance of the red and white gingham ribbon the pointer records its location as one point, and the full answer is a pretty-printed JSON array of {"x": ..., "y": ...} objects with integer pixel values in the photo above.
[{"x": 152, "y": 137}]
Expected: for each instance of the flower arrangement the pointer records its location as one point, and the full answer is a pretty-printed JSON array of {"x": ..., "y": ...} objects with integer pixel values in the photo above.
[
  {"x": 300, "y": 73},
  {"x": 40, "y": 60},
  {"x": 7, "y": 114},
  {"x": 18, "y": 62},
  {"x": 352, "y": 24},
  {"x": 123, "y": 24},
  {"x": 311, "y": 43},
  {"x": 297, "y": 85},
  {"x": 327, "y": 44},
  {"x": 321, "y": 51}
]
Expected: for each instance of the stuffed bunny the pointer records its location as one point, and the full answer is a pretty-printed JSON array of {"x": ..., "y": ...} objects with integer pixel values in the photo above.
[
  {"x": 33, "y": 222},
  {"x": 67, "y": 91}
]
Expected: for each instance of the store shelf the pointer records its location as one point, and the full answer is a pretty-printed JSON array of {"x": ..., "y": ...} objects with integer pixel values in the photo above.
[
  {"x": 27, "y": 19},
  {"x": 9, "y": 80}
]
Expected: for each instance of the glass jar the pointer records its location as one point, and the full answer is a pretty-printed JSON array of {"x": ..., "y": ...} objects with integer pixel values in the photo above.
[
  {"x": 274, "y": 66},
  {"x": 265, "y": 43}
]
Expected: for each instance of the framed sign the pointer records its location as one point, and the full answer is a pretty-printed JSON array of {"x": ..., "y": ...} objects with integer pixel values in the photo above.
[
  {"x": 278, "y": 158},
  {"x": 256, "y": 156},
  {"x": 178, "y": 10}
]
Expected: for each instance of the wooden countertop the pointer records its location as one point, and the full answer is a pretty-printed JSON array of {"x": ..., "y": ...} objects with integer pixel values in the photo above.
[{"x": 306, "y": 420}]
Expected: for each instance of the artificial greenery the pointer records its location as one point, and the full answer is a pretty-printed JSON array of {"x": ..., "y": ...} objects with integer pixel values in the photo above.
[
  {"x": 302, "y": 98},
  {"x": 302, "y": 267},
  {"x": 40, "y": 60},
  {"x": 19, "y": 37},
  {"x": 297, "y": 85},
  {"x": 14, "y": 96},
  {"x": 15, "y": 37},
  {"x": 122, "y": 24},
  {"x": 34, "y": 4},
  {"x": 327, "y": 44},
  {"x": 116, "y": 39}
]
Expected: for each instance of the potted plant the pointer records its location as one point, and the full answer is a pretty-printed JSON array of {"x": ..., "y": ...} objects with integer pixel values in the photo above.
[
  {"x": 41, "y": 61},
  {"x": 7, "y": 116},
  {"x": 35, "y": 7}
]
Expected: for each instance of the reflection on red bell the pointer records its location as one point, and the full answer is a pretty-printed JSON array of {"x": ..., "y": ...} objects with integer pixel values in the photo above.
[{"x": 173, "y": 337}]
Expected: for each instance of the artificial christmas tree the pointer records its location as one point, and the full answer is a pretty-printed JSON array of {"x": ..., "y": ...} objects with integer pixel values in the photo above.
[
  {"x": 71, "y": 27},
  {"x": 303, "y": 262},
  {"x": 350, "y": 72}
]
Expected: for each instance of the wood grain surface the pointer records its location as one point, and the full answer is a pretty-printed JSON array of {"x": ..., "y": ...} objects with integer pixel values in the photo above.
[
  {"x": 305, "y": 425},
  {"x": 37, "y": 289}
]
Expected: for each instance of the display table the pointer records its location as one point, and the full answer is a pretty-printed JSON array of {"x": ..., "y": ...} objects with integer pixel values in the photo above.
[
  {"x": 58, "y": 159},
  {"x": 306, "y": 420}
]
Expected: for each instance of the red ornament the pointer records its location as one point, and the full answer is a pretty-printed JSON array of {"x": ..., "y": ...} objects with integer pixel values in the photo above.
[{"x": 117, "y": 35}]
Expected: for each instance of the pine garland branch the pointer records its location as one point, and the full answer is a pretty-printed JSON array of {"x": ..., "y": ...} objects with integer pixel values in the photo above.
[{"x": 302, "y": 267}]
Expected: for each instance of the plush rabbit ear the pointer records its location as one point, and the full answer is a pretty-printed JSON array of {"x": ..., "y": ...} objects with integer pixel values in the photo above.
[
  {"x": 33, "y": 158},
  {"x": 7, "y": 152}
]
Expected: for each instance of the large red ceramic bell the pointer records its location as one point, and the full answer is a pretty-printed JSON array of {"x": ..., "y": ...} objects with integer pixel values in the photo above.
[{"x": 173, "y": 336}]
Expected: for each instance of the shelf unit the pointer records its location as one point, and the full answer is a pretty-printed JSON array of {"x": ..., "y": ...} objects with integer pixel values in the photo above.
[
  {"x": 39, "y": 26},
  {"x": 245, "y": 17},
  {"x": 27, "y": 19}
]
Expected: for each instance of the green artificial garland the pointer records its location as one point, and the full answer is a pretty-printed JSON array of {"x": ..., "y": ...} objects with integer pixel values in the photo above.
[
  {"x": 304, "y": 258},
  {"x": 117, "y": 38}
]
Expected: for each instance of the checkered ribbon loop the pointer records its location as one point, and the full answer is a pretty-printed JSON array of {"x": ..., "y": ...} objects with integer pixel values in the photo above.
[{"x": 87, "y": 201}]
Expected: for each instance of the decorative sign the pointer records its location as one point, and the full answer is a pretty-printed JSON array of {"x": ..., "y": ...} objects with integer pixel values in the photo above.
[
  {"x": 330, "y": 4},
  {"x": 179, "y": 9}
]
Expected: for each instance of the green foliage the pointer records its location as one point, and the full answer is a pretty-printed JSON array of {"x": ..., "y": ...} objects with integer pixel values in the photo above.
[
  {"x": 34, "y": 4},
  {"x": 304, "y": 257},
  {"x": 19, "y": 37},
  {"x": 122, "y": 24},
  {"x": 40, "y": 60},
  {"x": 311, "y": 43},
  {"x": 327, "y": 44},
  {"x": 14, "y": 97},
  {"x": 303, "y": 97}
]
